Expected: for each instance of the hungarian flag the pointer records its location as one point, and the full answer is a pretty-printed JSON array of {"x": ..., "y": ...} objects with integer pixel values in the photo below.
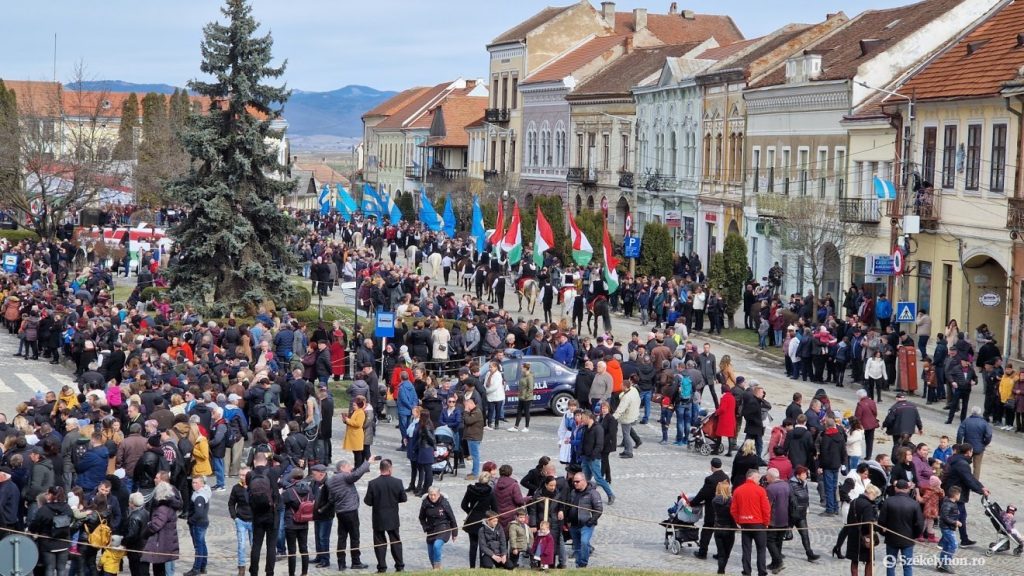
[
  {"x": 582, "y": 251},
  {"x": 611, "y": 275},
  {"x": 543, "y": 240},
  {"x": 513, "y": 241},
  {"x": 499, "y": 226}
]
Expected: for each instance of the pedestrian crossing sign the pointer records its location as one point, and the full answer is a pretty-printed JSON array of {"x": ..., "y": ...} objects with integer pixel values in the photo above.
[{"x": 906, "y": 311}]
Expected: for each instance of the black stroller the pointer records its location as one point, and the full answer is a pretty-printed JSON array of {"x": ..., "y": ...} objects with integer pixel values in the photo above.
[
  {"x": 1006, "y": 539},
  {"x": 445, "y": 461},
  {"x": 681, "y": 525}
]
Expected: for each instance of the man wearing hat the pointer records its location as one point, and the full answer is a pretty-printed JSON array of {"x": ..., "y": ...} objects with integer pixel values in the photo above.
[
  {"x": 902, "y": 420},
  {"x": 323, "y": 518},
  {"x": 704, "y": 497},
  {"x": 901, "y": 519}
]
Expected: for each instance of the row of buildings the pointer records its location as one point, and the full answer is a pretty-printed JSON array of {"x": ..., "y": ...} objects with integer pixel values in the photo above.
[
  {"x": 73, "y": 127},
  {"x": 677, "y": 118}
]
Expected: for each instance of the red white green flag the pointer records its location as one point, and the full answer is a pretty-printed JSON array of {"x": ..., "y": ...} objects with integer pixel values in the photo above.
[
  {"x": 582, "y": 251},
  {"x": 611, "y": 275},
  {"x": 543, "y": 240},
  {"x": 513, "y": 241}
]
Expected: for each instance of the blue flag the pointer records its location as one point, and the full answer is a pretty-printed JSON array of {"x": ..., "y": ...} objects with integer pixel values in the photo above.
[
  {"x": 478, "y": 229},
  {"x": 429, "y": 216},
  {"x": 345, "y": 199},
  {"x": 449, "y": 217},
  {"x": 325, "y": 202},
  {"x": 884, "y": 189},
  {"x": 394, "y": 212},
  {"x": 373, "y": 205}
]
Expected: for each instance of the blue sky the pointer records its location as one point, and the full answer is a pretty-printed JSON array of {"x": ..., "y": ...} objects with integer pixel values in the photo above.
[{"x": 386, "y": 44}]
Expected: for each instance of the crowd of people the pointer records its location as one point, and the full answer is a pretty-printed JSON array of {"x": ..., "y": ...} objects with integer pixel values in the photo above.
[{"x": 169, "y": 407}]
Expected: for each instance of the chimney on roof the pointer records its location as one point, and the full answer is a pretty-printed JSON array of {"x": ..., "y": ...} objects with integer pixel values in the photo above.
[
  {"x": 629, "y": 43},
  {"x": 639, "y": 19},
  {"x": 688, "y": 15},
  {"x": 608, "y": 13},
  {"x": 673, "y": 8}
]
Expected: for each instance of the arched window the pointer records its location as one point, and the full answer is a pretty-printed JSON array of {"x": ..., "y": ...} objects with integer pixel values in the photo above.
[
  {"x": 579, "y": 203},
  {"x": 545, "y": 144},
  {"x": 707, "y": 156},
  {"x": 737, "y": 169},
  {"x": 718, "y": 156},
  {"x": 590, "y": 203}
]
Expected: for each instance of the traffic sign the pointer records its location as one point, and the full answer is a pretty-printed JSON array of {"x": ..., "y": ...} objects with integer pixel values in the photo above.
[
  {"x": 881, "y": 265},
  {"x": 10, "y": 263},
  {"x": 631, "y": 247},
  {"x": 897, "y": 261},
  {"x": 385, "y": 326},
  {"x": 906, "y": 311}
]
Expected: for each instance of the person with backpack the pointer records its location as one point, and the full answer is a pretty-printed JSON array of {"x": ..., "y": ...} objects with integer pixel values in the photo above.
[
  {"x": 238, "y": 425},
  {"x": 683, "y": 406},
  {"x": 298, "y": 501},
  {"x": 52, "y": 525},
  {"x": 198, "y": 522},
  {"x": 264, "y": 499}
]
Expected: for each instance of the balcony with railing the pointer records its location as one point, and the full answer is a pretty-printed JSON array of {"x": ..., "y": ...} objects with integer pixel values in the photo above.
[
  {"x": 412, "y": 172},
  {"x": 625, "y": 179},
  {"x": 926, "y": 203},
  {"x": 1015, "y": 214},
  {"x": 496, "y": 115},
  {"x": 490, "y": 175},
  {"x": 860, "y": 210},
  {"x": 440, "y": 173},
  {"x": 582, "y": 175},
  {"x": 772, "y": 205}
]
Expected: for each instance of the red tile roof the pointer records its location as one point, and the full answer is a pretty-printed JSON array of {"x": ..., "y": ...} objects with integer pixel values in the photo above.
[
  {"x": 458, "y": 112},
  {"x": 728, "y": 50},
  {"x": 979, "y": 64},
  {"x": 36, "y": 98},
  {"x": 519, "y": 32},
  {"x": 88, "y": 104},
  {"x": 322, "y": 173},
  {"x": 413, "y": 109},
  {"x": 618, "y": 77},
  {"x": 864, "y": 36},
  {"x": 675, "y": 29},
  {"x": 396, "y": 102},
  {"x": 568, "y": 63}
]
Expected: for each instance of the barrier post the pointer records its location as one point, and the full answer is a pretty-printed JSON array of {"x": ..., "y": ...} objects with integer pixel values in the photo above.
[
  {"x": 547, "y": 505},
  {"x": 871, "y": 543}
]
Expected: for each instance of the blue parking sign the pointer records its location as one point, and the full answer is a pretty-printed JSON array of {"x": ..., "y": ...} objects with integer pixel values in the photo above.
[
  {"x": 631, "y": 246},
  {"x": 385, "y": 326}
]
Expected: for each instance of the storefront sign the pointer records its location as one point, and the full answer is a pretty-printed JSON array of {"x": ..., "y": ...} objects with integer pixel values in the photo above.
[
  {"x": 711, "y": 217},
  {"x": 880, "y": 264},
  {"x": 673, "y": 219},
  {"x": 989, "y": 299}
]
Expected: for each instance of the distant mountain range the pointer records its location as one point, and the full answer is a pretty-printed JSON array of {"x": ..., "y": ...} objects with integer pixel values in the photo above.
[{"x": 336, "y": 114}]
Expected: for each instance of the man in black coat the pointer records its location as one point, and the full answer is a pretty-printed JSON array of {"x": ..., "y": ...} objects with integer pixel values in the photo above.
[
  {"x": 960, "y": 474},
  {"x": 704, "y": 498},
  {"x": 902, "y": 420},
  {"x": 903, "y": 521},
  {"x": 753, "y": 406},
  {"x": 584, "y": 378},
  {"x": 383, "y": 494}
]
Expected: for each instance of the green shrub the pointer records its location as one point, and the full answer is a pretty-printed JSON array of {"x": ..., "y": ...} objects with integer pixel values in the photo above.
[
  {"x": 300, "y": 299},
  {"x": 18, "y": 235},
  {"x": 150, "y": 292}
]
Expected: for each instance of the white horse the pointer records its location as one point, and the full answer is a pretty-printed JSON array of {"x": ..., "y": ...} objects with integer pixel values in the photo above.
[
  {"x": 568, "y": 298},
  {"x": 410, "y": 256},
  {"x": 435, "y": 265},
  {"x": 531, "y": 288}
]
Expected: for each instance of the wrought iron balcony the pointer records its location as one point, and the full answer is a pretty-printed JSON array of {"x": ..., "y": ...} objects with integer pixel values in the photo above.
[
  {"x": 860, "y": 210},
  {"x": 496, "y": 115},
  {"x": 658, "y": 183},
  {"x": 772, "y": 205},
  {"x": 1015, "y": 214},
  {"x": 926, "y": 203},
  {"x": 490, "y": 175},
  {"x": 625, "y": 179},
  {"x": 574, "y": 174},
  {"x": 412, "y": 172}
]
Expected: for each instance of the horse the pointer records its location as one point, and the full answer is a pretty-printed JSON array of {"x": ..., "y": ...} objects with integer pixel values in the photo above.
[
  {"x": 598, "y": 308},
  {"x": 569, "y": 296},
  {"x": 462, "y": 267},
  {"x": 530, "y": 288}
]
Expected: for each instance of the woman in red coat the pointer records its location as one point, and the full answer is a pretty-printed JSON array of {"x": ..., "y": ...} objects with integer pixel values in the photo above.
[
  {"x": 337, "y": 360},
  {"x": 725, "y": 426}
]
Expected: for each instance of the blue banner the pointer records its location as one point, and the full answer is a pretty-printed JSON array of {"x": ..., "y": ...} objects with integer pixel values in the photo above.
[
  {"x": 478, "y": 230},
  {"x": 373, "y": 204},
  {"x": 449, "y": 217},
  {"x": 428, "y": 215}
]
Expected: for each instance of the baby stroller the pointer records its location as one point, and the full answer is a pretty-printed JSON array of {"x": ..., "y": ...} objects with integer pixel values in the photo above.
[
  {"x": 702, "y": 434},
  {"x": 1005, "y": 538},
  {"x": 681, "y": 525},
  {"x": 444, "y": 454}
]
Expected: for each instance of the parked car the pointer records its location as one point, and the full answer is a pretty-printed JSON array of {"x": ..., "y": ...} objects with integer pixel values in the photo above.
[{"x": 554, "y": 383}]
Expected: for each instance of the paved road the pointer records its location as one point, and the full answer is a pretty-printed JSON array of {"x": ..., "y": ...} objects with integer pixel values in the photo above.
[{"x": 628, "y": 535}]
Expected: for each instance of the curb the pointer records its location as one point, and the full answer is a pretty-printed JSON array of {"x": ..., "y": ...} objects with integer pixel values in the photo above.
[{"x": 752, "y": 350}]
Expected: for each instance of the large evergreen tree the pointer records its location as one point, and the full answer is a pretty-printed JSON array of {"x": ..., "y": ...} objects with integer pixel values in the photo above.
[
  {"x": 234, "y": 241},
  {"x": 655, "y": 251},
  {"x": 10, "y": 171},
  {"x": 125, "y": 149},
  {"x": 150, "y": 173}
]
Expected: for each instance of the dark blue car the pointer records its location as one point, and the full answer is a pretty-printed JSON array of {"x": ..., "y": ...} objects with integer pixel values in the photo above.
[{"x": 554, "y": 384}]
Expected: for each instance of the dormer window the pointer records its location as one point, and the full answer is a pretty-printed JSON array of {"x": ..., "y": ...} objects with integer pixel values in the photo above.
[{"x": 105, "y": 104}]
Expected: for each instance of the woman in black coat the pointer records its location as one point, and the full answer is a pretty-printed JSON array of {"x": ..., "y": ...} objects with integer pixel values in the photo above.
[
  {"x": 611, "y": 441},
  {"x": 747, "y": 459},
  {"x": 439, "y": 524},
  {"x": 479, "y": 498},
  {"x": 859, "y": 547},
  {"x": 53, "y": 525}
]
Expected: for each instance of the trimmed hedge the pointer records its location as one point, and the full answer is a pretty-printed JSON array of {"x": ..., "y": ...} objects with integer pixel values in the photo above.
[
  {"x": 18, "y": 235},
  {"x": 150, "y": 292},
  {"x": 300, "y": 299}
]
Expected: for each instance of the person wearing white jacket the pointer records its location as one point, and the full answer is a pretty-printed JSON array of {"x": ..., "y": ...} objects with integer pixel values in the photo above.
[
  {"x": 494, "y": 388},
  {"x": 875, "y": 374},
  {"x": 628, "y": 413}
]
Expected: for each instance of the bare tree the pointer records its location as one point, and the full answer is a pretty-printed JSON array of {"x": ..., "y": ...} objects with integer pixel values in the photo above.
[
  {"x": 65, "y": 141},
  {"x": 807, "y": 229}
]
